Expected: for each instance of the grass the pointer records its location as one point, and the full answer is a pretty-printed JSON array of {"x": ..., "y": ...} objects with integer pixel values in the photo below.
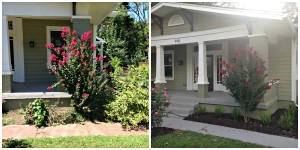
[
  {"x": 188, "y": 139},
  {"x": 132, "y": 141}
]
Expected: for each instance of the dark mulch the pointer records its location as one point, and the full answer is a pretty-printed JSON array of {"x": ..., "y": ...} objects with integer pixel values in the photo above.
[
  {"x": 253, "y": 125},
  {"x": 160, "y": 131}
]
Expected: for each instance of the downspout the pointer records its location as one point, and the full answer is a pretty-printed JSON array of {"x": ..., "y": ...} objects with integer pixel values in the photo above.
[{"x": 74, "y": 8}]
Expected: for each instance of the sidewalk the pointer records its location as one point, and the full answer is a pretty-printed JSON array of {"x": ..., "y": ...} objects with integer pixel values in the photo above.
[
  {"x": 86, "y": 129},
  {"x": 232, "y": 133}
]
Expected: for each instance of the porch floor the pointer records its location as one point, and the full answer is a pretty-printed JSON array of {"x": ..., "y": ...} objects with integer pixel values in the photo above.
[{"x": 25, "y": 87}]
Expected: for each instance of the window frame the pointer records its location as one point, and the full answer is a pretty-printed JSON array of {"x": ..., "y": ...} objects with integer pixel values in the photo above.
[{"x": 172, "y": 54}]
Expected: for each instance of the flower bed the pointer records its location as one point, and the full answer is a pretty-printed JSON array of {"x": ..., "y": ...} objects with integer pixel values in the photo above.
[{"x": 253, "y": 125}]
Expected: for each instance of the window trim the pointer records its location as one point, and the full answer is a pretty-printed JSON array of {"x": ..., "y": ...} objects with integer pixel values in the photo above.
[{"x": 172, "y": 53}]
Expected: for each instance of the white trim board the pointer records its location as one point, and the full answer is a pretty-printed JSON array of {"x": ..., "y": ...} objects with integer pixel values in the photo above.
[
  {"x": 228, "y": 11},
  {"x": 201, "y": 36}
]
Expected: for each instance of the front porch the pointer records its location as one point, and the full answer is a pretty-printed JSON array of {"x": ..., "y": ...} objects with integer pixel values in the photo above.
[{"x": 183, "y": 103}]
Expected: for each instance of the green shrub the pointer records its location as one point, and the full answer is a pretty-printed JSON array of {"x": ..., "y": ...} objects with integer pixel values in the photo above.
[
  {"x": 160, "y": 101},
  {"x": 219, "y": 111},
  {"x": 12, "y": 143},
  {"x": 200, "y": 109},
  {"x": 235, "y": 113},
  {"x": 130, "y": 105},
  {"x": 265, "y": 118},
  {"x": 286, "y": 121},
  {"x": 36, "y": 113},
  {"x": 293, "y": 110}
]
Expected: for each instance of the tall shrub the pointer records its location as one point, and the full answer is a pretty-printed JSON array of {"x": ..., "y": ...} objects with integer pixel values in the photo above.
[
  {"x": 245, "y": 78},
  {"x": 160, "y": 101},
  {"x": 131, "y": 102},
  {"x": 73, "y": 65}
]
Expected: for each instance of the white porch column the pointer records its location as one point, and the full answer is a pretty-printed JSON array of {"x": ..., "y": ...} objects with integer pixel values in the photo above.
[
  {"x": 202, "y": 75},
  {"x": 6, "y": 62},
  {"x": 19, "y": 73},
  {"x": 160, "y": 63},
  {"x": 202, "y": 71}
]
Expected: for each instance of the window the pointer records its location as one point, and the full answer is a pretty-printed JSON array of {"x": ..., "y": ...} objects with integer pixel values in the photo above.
[
  {"x": 175, "y": 21},
  {"x": 56, "y": 38},
  {"x": 11, "y": 47},
  {"x": 169, "y": 65},
  {"x": 219, "y": 66},
  {"x": 10, "y": 25}
]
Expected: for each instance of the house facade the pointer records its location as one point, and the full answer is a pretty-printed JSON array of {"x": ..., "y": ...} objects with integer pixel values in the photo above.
[
  {"x": 28, "y": 26},
  {"x": 188, "y": 40}
]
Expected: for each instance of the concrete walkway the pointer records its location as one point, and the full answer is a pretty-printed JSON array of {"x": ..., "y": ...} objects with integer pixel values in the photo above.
[
  {"x": 86, "y": 129},
  {"x": 232, "y": 133}
]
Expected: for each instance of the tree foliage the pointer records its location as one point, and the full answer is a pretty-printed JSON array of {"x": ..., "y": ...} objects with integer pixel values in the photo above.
[{"x": 125, "y": 36}]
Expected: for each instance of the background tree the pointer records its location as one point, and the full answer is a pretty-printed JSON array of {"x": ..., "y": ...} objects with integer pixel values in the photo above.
[{"x": 126, "y": 35}]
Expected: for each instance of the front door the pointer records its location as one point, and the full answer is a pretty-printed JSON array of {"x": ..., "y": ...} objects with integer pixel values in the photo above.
[{"x": 210, "y": 71}]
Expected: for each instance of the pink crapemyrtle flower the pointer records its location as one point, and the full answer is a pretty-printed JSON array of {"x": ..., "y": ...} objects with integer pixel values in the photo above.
[
  {"x": 49, "y": 88},
  {"x": 85, "y": 95},
  {"x": 82, "y": 56},
  {"x": 74, "y": 32},
  {"x": 222, "y": 71},
  {"x": 49, "y": 45},
  {"x": 156, "y": 113}
]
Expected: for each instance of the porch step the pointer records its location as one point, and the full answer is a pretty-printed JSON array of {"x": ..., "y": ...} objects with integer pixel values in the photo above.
[
  {"x": 181, "y": 111},
  {"x": 177, "y": 116},
  {"x": 184, "y": 105}
]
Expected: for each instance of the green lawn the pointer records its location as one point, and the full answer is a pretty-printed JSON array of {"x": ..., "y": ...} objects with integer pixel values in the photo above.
[
  {"x": 188, "y": 139},
  {"x": 133, "y": 141}
]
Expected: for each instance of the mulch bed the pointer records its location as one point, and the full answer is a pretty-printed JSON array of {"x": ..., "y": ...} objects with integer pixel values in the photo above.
[
  {"x": 160, "y": 131},
  {"x": 252, "y": 125}
]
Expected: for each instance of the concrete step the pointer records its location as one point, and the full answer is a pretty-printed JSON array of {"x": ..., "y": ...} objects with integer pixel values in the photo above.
[
  {"x": 183, "y": 111},
  {"x": 183, "y": 105},
  {"x": 179, "y": 116}
]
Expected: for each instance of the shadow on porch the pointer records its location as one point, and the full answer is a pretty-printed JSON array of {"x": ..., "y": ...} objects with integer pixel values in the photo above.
[
  {"x": 25, "y": 87},
  {"x": 184, "y": 102}
]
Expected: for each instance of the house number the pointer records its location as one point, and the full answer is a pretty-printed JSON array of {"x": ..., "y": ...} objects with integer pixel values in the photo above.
[{"x": 177, "y": 40}]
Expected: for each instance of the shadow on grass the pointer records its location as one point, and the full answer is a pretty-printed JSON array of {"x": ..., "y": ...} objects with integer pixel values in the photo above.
[{"x": 13, "y": 143}]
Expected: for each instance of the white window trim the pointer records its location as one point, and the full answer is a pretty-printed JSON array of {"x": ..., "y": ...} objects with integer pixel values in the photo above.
[
  {"x": 172, "y": 53},
  {"x": 48, "y": 30}
]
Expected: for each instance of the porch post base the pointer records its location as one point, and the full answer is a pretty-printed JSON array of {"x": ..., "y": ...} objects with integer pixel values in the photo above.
[
  {"x": 202, "y": 91},
  {"x": 7, "y": 83}
]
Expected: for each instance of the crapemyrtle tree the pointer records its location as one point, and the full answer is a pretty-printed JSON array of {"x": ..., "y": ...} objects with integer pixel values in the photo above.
[
  {"x": 74, "y": 67},
  {"x": 245, "y": 78},
  {"x": 160, "y": 101}
]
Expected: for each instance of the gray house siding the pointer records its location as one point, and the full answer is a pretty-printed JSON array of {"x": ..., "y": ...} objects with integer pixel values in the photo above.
[
  {"x": 35, "y": 58},
  {"x": 180, "y": 78}
]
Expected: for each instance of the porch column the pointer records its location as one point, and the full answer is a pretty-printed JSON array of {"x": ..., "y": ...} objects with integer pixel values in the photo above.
[
  {"x": 260, "y": 43},
  {"x": 81, "y": 24},
  {"x": 6, "y": 62},
  {"x": 202, "y": 71},
  {"x": 160, "y": 63}
]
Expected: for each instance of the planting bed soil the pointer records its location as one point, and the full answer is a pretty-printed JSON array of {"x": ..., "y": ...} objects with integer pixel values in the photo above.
[
  {"x": 160, "y": 131},
  {"x": 253, "y": 124}
]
